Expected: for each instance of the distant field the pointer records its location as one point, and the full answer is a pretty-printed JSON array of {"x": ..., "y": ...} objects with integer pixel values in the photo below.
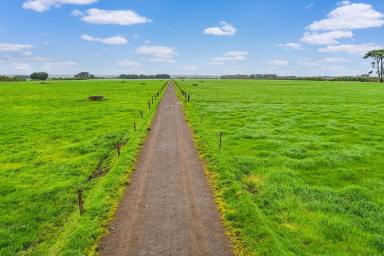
[
  {"x": 53, "y": 141},
  {"x": 300, "y": 171}
]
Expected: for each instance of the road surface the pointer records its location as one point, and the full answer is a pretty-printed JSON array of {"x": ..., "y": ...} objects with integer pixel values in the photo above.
[{"x": 168, "y": 209}]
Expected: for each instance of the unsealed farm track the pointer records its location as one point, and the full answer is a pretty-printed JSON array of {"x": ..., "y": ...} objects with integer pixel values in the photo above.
[{"x": 168, "y": 208}]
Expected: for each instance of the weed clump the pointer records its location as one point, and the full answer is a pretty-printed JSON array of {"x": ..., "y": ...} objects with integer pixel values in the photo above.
[{"x": 253, "y": 183}]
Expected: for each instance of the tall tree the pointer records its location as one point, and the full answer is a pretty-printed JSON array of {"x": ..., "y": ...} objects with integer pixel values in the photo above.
[
  {"x": 39, "y": 76},
  {"x": 378, "y": 63},
  {"x": 83, "y": 75}
]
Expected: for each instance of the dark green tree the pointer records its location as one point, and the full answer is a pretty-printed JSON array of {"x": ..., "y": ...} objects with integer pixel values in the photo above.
[
  {"x": 377, "y": 63},
  {"x": 83, "y": 76},
  {"x": 39, "y": 76}
]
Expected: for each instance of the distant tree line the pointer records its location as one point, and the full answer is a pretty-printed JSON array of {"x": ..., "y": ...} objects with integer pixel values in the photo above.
[
  {"x": 377, "y": 57},
  {"x": 362, "y": 78},
  {"x": 33, "y": 76},
  {"x": 253, "y": 76},
  {"x": 158, "y": 76},
  {"x": 13, "y": 78}
]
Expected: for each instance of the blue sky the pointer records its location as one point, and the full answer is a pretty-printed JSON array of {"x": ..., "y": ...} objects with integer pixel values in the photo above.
[{"x": 208, "y": 37}]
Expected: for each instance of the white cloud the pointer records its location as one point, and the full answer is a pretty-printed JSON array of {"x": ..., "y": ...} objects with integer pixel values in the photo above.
[
  {"x": 225, "y": 29},
  {"x": 230, "y": 56},
  {"x": 158, "y": 53},
  {"x": 20, "y": 63},
  {"x": 322, "y": 62},
  {"x": 339, "y": 24},
  {"x": 118, "y": 17},
  {"x": 130, "y": 64},
  {"x": 334, "y": 60},
  {"x": 8, "y": 47},
  {"x": 291, "y": 46},
  {"x": 77, "y": 13},
  {"x": 358, "y": 49},
  {"x": 326, "y": 38},
  {"x": 27, "y": 53},
  {"x": 115, "y": 40},
  {"x": 37, "y": 59},
  {"x": 349, "y": 16},
  {"x": 44, "y": 5},
  {"x": 278, "y": 62},
  {"x": 23, "y": 58},
  {"x": 70, "y": 63}
]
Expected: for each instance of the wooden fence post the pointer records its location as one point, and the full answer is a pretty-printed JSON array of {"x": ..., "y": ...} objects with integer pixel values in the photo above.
[
  {"x": 220, "y": 141},
  {"x": 80, "y": 201},
  {"x": 118, "y": 146}
]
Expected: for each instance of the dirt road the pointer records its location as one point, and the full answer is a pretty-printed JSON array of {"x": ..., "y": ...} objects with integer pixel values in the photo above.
[{"x": 168, "y": 208}]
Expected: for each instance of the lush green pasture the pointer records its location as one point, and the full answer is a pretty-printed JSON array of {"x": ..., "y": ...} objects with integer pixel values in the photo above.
[
  {"x": 53, "y": 141},
  {"x": 301, "y": 170}
]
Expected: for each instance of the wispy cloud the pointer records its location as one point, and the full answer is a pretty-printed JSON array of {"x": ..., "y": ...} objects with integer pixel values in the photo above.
[
  {"x": 23, "y": 58},
  {"x": 114, "y": 40},
  {"x": 291, "y": 46},
  {"x": 44, "y": 5},
  {"x": 309, "y": 6},
  {"x": 10, "y": 47},
  {"x": 27, "y": 53},
  {"x": 358, "y": 49},
  {"x": 322, "y": 62},
  {"x": 230, "y": 56},
  {"x": 278, "y": 62},
  {"x": 129, "y": 64},
  {"x": 117, "y": 17},
  {"x": 158, "y": 53},
  {"x": 60, "y": 65},
  {"x": 225, "y": 29},
  {"x": 25, "y": 63},
  {"x": 334, "y": 60}
]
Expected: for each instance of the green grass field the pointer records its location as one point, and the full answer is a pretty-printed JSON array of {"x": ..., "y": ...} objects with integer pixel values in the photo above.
[
  {"x": 53, "y": 141},
  {"x": 300, "y": 171}
]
